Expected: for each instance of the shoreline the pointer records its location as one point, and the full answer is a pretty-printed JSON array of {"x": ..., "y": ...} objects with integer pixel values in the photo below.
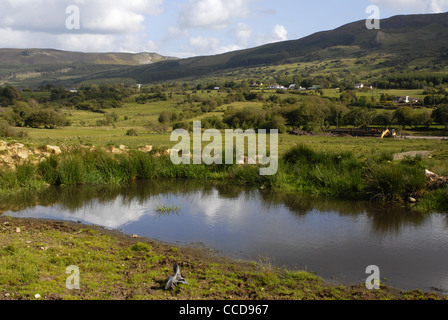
[
  {"x": 379, "y": 178},
  {"x": 116, "y": 266}
]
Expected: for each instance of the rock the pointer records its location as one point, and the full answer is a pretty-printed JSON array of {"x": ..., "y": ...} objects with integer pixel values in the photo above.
[
  {"x": 53, "y": 149},
  {"x": 23, "y": 154},
  {"x": 122, "y": 147},
  {"x": 3, "y": 145},
  {"x": 18, "y": 230},
  {"x": 37, "y": 296},
  {"x": 8, "y": 160},
  {"x": 435, "y": 181},
  {"x": 16, "y": 146},
  {"x": 114, "y": 150},
  {"x": 146, "y": 149},
  {"x": 169, "y": 151},
  {"x": 413, "y": 200}
]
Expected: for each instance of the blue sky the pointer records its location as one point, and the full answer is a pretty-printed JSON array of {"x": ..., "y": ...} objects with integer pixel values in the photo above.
[{"x": 182, "y": 28}]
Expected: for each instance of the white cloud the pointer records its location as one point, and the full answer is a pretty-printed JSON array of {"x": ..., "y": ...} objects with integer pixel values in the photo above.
[
  {"x": 213, "y": 14},
  {"x": 414, "y": 6},
  {"x": 242, "y": 38},
  {"x": 204, "y": 45},
  {"x": 208, "y": 46},
  {"x": 243, "y": 34},
  {"x": 278, "y": 33},
  {"x": 105, "y": 25},
  {"x": 98, "y": 16}
]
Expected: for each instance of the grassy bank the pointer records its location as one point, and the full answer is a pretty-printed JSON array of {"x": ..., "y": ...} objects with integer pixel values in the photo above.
[
  {"x": 34, "y": 256},
  {"x": 341, "y": 175}
]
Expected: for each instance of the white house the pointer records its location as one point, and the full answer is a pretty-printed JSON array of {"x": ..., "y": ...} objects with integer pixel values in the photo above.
[
  {"x": 277, "y": 87},
  {"x": 359, "y": 86}
]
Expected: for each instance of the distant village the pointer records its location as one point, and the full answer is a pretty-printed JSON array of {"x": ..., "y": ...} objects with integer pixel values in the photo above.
[{"x": 399, "y": 101}]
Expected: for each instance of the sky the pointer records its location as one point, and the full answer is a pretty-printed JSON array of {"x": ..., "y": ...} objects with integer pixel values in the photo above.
[{"x": 182, "y": 28}]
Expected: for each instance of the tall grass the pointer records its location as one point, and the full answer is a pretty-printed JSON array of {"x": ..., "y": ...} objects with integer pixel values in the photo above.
[
  {"x": 324, "y": 173},
  {"x": 395, "y": 181},
  {"x": 301, "y": 169}
]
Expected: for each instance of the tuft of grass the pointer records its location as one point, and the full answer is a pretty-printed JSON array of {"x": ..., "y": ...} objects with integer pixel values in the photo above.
[
  {"x": 168, "y": 209},
  {"x": 395, "y": 181}
]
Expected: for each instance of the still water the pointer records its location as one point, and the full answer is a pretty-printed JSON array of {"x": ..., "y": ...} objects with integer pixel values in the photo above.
[{"x": 335, "y": 239}]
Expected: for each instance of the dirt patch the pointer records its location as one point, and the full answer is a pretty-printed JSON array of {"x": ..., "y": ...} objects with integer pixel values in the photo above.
[{"x": 412, "y": 154}]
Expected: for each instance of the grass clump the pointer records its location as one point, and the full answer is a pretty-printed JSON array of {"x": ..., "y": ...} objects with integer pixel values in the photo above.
[
  {"x": 301, "y": 169},
  {"x": 323, "y": 173},
  {"x": 395, "y": 181}
]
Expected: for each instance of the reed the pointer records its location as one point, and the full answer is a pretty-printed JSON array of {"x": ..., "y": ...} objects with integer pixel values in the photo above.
[{"x": 301, "y": 169}]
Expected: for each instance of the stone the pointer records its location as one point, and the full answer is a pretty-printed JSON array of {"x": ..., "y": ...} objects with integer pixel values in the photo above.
[
  {"x": 23, "y": 154},
  {"x": 53, "y": 149},
  {"x": 146, "y": 149},
  {"x": 8, "y": 160},
  {"x": 114, "y": 150},
  {"x": 16, "y": 146},
  {"x": 3, "y": 146}
]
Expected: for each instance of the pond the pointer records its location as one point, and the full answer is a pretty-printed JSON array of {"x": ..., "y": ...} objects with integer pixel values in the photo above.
[{"x": 335, "y": 239}]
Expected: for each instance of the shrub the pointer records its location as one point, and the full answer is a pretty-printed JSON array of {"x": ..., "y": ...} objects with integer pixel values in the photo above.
[
  {"x": 46, "y": 118},
  {"x": 6, "y": 131},
  {"x": 132, "y": 133},
  {"x": 388, "y": 182}
]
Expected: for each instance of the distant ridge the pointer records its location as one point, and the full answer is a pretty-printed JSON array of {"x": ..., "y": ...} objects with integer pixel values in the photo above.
[
  {"x": 403, "y": 39},
  {"x": 51, "y": 56}
]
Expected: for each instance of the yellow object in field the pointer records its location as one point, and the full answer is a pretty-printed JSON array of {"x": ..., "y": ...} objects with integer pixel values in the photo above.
[{"x": 385, "y": 133}]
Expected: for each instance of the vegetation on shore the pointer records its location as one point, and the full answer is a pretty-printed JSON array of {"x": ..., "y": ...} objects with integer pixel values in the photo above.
[
  {"x": 34, "y": 256},
  {"x": 301, "y": 169}
]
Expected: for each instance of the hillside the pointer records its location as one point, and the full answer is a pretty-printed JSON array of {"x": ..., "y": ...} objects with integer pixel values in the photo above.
[
  {"x": 37, "y": 57},
  {"x": 416, "y": 40},
  {"x": 32, "y": 66},
  {"x": 404, "y": 43}
]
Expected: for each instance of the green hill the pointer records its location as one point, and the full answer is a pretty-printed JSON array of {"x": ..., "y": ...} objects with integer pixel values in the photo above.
[
  {"x": 402, "y": 40},
  {"x": 37, "y": 57},
  {"x": 404, "y": 43},
  {"x": 30, "y": 67}
]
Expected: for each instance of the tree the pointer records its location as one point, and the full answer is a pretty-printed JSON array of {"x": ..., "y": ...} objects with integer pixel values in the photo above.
[
  {"x": 9, "y": 95},
  {"x": 47, "y": 118},
  {"x": 403, "y": 116},
  {"x": 440, "y": 115}
]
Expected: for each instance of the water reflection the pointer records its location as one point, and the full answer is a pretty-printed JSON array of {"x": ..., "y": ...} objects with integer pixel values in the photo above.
[
  {"x": 331, "y": 237},
  {"x": 385, "y": 220}
]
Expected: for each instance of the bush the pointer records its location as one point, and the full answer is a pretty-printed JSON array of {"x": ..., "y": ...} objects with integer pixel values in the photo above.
[
  {"x": 389, "y": 182},
  {"x": 6, "y": 131},
  {"x": 47, "y": 118},
  {"x": 132, "y": 133},
  {"x": 302, "y": 154}
]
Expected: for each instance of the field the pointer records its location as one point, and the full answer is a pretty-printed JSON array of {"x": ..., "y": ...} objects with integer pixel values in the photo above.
[
  {"x": 135, "y": 125},
  {"x": 85, "y": 130}
]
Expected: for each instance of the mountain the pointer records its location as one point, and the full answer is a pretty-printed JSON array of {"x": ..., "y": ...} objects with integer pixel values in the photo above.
[
  {"x": 410, "y": 42},
  {"x": 402, "y": 40},
  {"x": 37, "y": 57},
  {"x": 32, "y": 67}
]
